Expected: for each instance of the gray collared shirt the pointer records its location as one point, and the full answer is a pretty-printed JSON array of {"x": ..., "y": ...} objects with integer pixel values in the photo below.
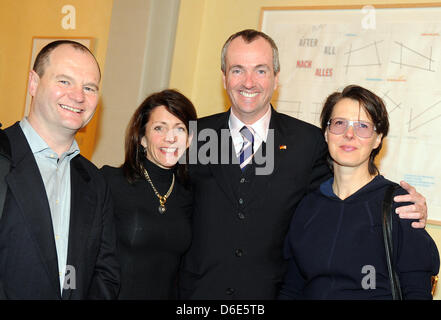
[{"x": 56, "y": 177}]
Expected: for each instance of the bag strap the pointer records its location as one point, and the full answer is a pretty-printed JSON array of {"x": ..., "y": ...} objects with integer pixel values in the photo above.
[
  {"x": 388, "y": 243},
  {"x": 5, "y": 166}
]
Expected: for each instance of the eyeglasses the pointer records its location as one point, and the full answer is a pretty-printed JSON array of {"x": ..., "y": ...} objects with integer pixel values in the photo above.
[{"x": 362, "y": 129}]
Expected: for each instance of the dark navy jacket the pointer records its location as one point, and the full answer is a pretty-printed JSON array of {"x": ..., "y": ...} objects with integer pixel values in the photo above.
[
  {"x": 336, "y": 250},
  {"x": 28, "y": 256},
  {"x": 240, "y": 219}
]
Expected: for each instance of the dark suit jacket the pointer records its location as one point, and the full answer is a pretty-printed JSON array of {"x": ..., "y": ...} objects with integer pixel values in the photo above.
[
  {"x": 239, "y": 225},
  {"x": 28, "y": 257}
]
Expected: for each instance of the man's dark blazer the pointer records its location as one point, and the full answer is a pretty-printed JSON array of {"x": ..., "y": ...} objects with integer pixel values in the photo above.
[
  {"x": 239, "y": 222},
  {"x": 28, "y": 257}
]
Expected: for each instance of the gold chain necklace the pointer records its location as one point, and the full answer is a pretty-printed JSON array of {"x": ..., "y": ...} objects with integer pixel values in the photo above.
[{"x": 162, "y": 199}]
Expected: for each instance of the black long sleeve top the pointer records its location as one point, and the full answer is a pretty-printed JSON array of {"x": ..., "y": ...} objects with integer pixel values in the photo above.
[{"x": 150, "y": 244}]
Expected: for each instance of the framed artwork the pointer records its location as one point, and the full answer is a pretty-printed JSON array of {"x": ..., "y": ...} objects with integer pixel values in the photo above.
[{"x": 392, "y": 50}]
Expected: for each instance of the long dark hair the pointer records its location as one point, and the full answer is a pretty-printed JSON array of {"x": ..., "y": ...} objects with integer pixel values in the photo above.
[
  {"x": 374, "y": 107},
  {"x": 175, "y": 103}
]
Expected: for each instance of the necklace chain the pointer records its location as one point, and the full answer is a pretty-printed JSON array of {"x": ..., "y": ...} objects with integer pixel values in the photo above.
[{"x": 162, "y": 199}]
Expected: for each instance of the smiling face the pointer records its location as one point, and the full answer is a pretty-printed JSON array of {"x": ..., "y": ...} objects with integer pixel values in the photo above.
[
  {"x": 166, "y": 138},
  {"x": 65, "y": 97},
  {"x": 348, "y": 150},
  {"x": 249, "y": 78}
]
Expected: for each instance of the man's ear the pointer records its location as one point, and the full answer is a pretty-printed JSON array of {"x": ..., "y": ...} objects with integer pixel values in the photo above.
[
  {"x": 33, "y": 82},
  {"x": 276, "y": 81},
  {"x": 326, "y": 136}
]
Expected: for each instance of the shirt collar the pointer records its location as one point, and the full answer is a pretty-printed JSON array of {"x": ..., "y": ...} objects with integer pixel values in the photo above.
[
  {"x": 37, "y": 143},
  {"x": 326, "y": 188},
  {"x": 260, "y": 127}
]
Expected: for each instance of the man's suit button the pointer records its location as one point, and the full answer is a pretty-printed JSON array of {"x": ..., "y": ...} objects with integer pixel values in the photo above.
[
  {"x": 238, "y": 253},
  {"x": 229, "y": 291},
  {"x": 240, "y": 201},
  {"x": 241, "y": 215}
]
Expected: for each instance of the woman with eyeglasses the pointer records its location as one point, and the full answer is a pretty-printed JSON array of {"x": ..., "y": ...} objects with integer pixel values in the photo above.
[{"x": 335, "y": 247}]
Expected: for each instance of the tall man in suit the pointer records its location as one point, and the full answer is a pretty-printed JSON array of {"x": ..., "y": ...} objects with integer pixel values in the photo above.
[
  {"x": 57, "y": 238},
  {"x": 241, "y": 214}
]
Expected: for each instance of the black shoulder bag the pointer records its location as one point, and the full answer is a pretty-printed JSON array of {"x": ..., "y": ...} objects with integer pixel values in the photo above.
[
  {"x": 5, "y": 166},
  {"x": 388, "y": 243}
]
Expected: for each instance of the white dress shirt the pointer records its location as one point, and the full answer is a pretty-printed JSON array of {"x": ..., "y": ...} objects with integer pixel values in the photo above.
[{"x": 260, "y": 130}]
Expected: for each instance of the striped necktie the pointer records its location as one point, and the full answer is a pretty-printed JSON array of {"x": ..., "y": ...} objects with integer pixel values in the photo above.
[{"x": 246, "y": 153}]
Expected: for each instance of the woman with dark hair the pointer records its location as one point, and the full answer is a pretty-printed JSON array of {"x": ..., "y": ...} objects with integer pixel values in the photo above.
[
  {"x": 151, "y": 196},
  {"x": 335, "y": 247}
]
